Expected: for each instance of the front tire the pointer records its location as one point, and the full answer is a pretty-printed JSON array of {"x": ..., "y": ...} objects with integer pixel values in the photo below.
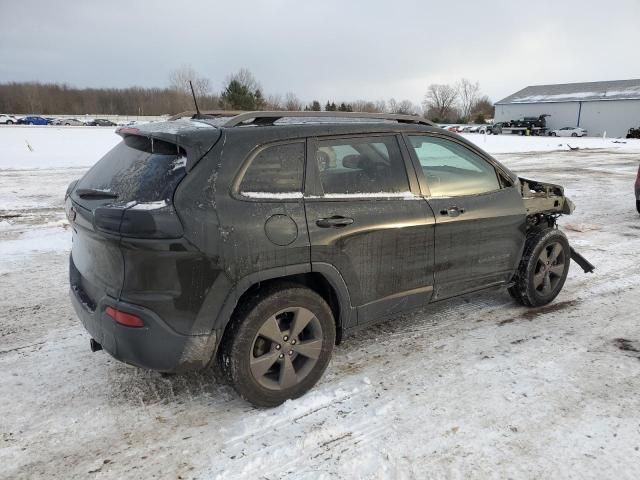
[
  {"x": 543, "y": 268},
  {"x": 279, "y": 345}
]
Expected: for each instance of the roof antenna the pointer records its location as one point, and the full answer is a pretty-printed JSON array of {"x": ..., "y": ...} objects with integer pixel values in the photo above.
[{"x": 197, "y": 115}]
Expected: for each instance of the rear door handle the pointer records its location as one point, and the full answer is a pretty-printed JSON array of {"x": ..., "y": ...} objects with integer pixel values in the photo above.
[
  {"x": 452, "y": 211},
  {"x": 336, "y": 222}
]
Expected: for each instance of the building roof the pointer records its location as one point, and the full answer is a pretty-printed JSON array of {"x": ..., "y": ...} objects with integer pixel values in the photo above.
[{"x": 576, "y": 92}]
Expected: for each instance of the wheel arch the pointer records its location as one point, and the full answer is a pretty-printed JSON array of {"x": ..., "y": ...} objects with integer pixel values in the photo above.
[{"x": 322, "y": 278}]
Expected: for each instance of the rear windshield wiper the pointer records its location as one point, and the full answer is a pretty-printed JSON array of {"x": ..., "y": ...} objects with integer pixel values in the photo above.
[{"x": 91, "y": 193}]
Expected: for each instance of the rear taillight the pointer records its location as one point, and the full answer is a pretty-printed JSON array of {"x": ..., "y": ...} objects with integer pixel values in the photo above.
[{"x": 123, "y": 318}]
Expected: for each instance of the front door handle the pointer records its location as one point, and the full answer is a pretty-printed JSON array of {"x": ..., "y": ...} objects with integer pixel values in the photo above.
[
  {"x": 452, "y": 211},
  {"x": 336, "y": 222}
]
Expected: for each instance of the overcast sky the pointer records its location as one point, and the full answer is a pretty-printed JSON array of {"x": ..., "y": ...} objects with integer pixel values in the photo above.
[{"x": 323, "y": 49}]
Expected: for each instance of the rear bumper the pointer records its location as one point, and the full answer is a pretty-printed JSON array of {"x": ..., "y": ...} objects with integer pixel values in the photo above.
[{"x": 154, "y": 346}]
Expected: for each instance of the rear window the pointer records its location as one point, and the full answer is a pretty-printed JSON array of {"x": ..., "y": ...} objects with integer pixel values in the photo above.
[
  {"x": 278, "y": 169},
  {"x": 138, "y": 169}
]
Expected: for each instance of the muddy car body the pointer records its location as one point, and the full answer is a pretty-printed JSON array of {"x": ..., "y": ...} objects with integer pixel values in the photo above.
[{"x": 255, "y": 242}]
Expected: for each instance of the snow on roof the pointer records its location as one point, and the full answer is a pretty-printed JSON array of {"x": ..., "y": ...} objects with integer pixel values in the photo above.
[{"x": 576, "y": 92}]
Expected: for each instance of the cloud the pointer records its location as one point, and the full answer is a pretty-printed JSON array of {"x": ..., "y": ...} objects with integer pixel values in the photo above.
[{"x": 331, "y": 49}]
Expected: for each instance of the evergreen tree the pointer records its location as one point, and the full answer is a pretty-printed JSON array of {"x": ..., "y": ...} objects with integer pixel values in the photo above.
[
  {"x": 315, "y": 106},
  {"x": 342, "y": 107},
  {"x": 239, "y": 96},
  {"x": 259, "y": 100}
]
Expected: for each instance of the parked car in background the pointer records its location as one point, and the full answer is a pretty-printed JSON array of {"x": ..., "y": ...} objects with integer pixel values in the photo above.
[
  {"x": 261, "y": 275},
  {"x": 33, "y": 120},
  {"x": 633, "y": 133},
  {"x": 69, "y": 122},
  {"x": 7, "y": 119},
  {"x": 568, "y": 132},
  {"x": 495, "y": 129},
  {"x": 101, "y": 122}
]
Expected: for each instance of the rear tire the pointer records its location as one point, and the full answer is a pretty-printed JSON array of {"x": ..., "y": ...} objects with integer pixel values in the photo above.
[
  {"x": 638, "y": 205},
  {"x": 574, "y": 134},
  {"x": 279, "y": 344},
  {"x": 543, "y": 268},
  {"x": 552, "y": 134}
]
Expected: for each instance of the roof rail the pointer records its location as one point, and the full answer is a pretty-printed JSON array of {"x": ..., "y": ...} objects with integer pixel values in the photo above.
[
  {"x": 206, "y": 113},
  {"x": 268, "y": 118}
]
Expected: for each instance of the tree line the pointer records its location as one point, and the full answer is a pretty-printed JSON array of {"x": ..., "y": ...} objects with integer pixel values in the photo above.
[{"x": 460, "y": 103}]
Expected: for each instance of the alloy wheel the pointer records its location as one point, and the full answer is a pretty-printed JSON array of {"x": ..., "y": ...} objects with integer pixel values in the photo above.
[
  {"x": 549, "y": 268},
  {"x": 286, "y": 348}
]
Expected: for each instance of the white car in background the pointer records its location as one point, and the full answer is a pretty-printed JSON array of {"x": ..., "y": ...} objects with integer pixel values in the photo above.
[
  {"x": 7, "y": 119},
  {"x": 568, "y": 132}
]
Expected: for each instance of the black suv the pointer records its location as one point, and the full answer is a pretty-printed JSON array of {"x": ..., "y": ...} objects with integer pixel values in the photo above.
[{"x": 253, "y": 242}]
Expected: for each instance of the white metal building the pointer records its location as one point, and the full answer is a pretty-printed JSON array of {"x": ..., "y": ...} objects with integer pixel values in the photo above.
[{"x": 613, "y": 106}]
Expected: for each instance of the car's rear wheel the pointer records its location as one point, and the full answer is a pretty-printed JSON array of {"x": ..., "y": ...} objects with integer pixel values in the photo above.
[
  {"x": 278, "y": 345},
  {"x": 553, "y": 134},
  {"x": 574, "y": 134},
  {"x": 543, "y": 268},
  {"x": 638, "y": 205}
]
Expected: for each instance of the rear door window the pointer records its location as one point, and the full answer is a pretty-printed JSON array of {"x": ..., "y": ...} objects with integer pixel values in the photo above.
[
  {"x": 362, "y": 165},
  {"x": 138, "y": 169}
]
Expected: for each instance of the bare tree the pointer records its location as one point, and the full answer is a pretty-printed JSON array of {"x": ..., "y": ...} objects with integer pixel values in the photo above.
[
  {"x": 381, "y": 106},
  {"x": 484, "y": 107},
  {"x": 405, "y": 107},
  {"x": 274, "y": 102},
  {"x": 391, "y": 106},
  {"x": 245, "y": 78},
  {"x": 368, "y": 106},
  {"x": 179, "y": 81},
  {"x": 440, "y": 100},
  {"x": 468, "y": 94},
  {"x": 292, "y": 102}
]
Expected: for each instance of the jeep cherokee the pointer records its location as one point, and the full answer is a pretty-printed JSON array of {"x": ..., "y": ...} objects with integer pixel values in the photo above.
[{"x": 253, "y": 242}]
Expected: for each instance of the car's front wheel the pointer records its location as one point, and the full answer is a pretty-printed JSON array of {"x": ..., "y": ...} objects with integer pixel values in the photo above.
[
  {"x": 278, "y": 345},
  {"x": 553, "y": 134},
  {"x": 543, "y": 268},
  {"x": 574, "y": 134},
  {"x": 9, "y": 122}
]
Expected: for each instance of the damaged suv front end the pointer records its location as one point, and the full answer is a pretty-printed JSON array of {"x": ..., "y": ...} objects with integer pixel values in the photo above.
[{"x": 544, "y": 203}]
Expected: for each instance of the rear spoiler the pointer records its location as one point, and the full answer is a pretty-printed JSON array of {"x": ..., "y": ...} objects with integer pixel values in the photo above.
[{"x": 196, "y": 138}]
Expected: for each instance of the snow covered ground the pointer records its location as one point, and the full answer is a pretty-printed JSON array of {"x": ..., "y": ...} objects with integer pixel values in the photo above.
[{"x": 475, "y": 387}]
